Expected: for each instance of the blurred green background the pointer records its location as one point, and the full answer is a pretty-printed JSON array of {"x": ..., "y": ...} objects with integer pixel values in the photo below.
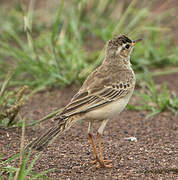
[{"x": 56, "y": 43}]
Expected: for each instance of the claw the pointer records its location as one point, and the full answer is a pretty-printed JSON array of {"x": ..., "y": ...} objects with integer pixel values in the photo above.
[
  {"x": 106, "y": 161},
  {"x": 102, "y": 164},
  {"x": 94, "y": 161}
]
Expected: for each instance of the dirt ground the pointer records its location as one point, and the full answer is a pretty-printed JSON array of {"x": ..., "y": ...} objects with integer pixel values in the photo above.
[{"x": 153, "y": 156}]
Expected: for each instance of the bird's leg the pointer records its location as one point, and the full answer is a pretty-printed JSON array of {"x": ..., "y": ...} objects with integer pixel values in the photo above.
[
  {"x": 90, "y": 137},
  {"x": 102, "y": 163},
  {"x": 100, "y": 147}
]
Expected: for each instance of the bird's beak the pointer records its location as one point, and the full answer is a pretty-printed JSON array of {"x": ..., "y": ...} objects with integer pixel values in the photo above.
[{"x": 136, "y": 41}]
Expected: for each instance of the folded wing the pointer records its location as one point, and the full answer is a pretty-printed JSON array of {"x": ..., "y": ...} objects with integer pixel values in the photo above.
[{"x": 85, "y": 101}]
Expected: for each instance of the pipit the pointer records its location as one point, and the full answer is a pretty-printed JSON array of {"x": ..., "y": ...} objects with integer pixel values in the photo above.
[{"x": 104, "y": 94}]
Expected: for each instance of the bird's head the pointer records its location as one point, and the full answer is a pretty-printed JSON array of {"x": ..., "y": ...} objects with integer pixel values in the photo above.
[{"x": 121, "y": 46}]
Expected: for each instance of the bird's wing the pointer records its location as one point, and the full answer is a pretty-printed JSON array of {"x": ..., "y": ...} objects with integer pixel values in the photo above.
[{"x": 85, "y": 101}]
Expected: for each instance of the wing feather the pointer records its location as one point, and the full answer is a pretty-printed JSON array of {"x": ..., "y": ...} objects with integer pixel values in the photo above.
[{"x": 85, "y": 101}]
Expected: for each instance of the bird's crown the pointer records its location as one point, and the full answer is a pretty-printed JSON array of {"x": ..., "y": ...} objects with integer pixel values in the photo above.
[{"x": 119, "y": 40}]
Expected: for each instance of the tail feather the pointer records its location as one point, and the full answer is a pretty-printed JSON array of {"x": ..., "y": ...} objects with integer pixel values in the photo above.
[{"x": 42, "y": 141}]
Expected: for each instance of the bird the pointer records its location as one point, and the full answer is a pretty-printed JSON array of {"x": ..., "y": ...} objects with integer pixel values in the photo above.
[{"x": 103, "y": 95}]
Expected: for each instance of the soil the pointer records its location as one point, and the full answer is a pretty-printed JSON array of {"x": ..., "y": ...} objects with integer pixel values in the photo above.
[{"x": 153, "y": 156}]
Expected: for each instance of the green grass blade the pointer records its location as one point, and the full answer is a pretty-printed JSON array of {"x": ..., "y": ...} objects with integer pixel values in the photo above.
[
  {"x": 57, "y": 25},
  {"x": 10, "y": 159},
  {"x": 123, "y": 18},
  {"x": 32, "y": 163},
  {"x": 41, "y": 175},
  {"x": 22, "y": 172},
  {"x": 153, "y": 113}
]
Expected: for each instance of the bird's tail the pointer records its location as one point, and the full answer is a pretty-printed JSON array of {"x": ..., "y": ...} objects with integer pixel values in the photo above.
[{"x": 46, "y": 138}]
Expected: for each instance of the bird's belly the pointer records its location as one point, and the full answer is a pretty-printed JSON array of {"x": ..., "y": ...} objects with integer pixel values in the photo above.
[{"x": 108, "y": 111}]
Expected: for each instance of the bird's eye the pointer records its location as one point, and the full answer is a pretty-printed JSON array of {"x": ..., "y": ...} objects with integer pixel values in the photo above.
[{"x": 127, "y": 46}]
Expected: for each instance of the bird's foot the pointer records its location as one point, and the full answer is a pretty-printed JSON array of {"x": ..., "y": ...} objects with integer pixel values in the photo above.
[
  {"x": 102, "y": 163},
  {"x": 94, "y": 161}
]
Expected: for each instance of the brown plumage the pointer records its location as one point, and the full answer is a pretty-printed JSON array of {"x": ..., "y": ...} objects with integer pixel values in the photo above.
[{"x": 104, "y": 93}]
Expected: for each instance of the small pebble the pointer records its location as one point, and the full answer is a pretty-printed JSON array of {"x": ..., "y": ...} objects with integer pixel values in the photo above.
[{"x": 134, "y": 139}]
